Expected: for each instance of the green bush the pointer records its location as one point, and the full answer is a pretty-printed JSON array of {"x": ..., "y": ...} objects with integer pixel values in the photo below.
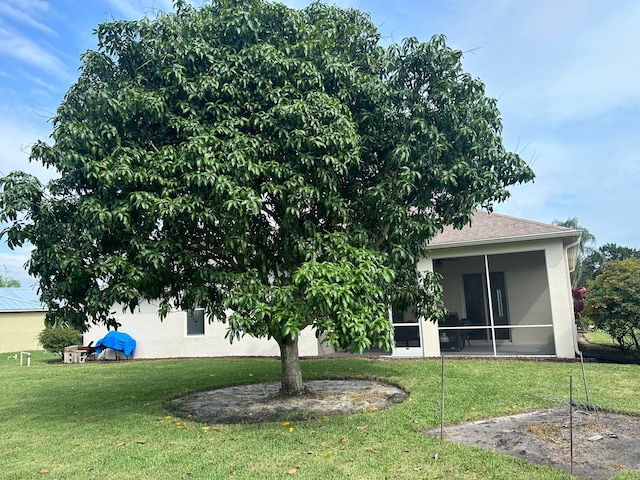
[
  {"x": 612, "y": 303},
  {"x": 55, "y": 339}
]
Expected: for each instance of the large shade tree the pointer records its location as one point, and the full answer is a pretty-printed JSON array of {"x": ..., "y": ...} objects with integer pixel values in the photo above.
[{"x": 248, "y": 157}]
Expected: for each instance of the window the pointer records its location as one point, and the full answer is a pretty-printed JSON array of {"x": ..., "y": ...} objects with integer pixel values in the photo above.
[{"x": 195, "y": 321}]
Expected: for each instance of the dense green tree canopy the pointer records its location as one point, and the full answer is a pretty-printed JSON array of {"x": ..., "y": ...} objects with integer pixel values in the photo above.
[
  {"x": 277, "y": 162},
  {"x": 612, "y": 302},
  {"x": 597, "y": 260}
]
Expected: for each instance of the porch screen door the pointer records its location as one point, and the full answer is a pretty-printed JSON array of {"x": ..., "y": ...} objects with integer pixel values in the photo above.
[{"x": 477, "y": 304}]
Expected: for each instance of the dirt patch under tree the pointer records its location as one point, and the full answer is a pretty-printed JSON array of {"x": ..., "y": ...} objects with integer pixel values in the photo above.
[{"x": 262, "y": 403}]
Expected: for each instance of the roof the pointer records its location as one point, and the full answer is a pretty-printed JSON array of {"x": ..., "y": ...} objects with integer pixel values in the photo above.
[
  {"x": 496, "y": 228},
  {"x": 20, "y": 299}
]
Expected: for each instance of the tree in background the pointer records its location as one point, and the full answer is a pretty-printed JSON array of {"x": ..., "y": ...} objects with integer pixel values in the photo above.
[
  {"x": 9, "y": 283},
  {"x": 595, "y": 263},
  {"x": 584, "y": 249},
  {"x": 612, "y": 302},
  {"x": 252, "y": 157}
]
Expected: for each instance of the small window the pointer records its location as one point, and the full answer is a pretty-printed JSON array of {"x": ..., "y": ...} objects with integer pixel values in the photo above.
[{"x": 195, "y": 321}]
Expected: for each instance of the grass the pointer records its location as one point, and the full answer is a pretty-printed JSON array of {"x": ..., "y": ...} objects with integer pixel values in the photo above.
[
  {"x": 106, "y": 420},
  {"x": 600, "y": 338}
]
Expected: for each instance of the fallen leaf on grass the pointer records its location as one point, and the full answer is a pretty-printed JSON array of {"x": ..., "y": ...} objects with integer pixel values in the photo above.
[
  {"x": 285, "y": 424},
  {"x": 363, "y": 428},
  {"x": 292, "y": 471},
  {"x": 121, "y": 444},
  {"x": 326, "y": 455},
  {"x": 141, "y": 442},
  {"x": 371, "y": 408},
  {"x": 291, "y": 429},
  {"x": 7, "y": 453},
  {"x": 43, "y": 472}
]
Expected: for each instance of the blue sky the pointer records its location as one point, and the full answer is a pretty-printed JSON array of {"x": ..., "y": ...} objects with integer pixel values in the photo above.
[{"x": 565, "y": 74}]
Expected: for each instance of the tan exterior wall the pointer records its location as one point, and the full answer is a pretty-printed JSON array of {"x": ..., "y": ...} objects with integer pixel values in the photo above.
[
  {"x": 19, "y": 331},
  {"x": 168, "y": 338},
  {"x": 564, "y": 326}
]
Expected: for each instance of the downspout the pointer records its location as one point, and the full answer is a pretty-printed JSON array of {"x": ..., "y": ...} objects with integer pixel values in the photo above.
[{"x": 576, "y": 350}]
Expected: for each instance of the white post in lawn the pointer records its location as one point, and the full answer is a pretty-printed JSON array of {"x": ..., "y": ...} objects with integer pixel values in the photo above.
[{"x": 28, "y": 358}]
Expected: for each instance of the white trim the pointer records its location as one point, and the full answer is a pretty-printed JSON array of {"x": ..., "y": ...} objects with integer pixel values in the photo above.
[{"x": 520, "y": 238}]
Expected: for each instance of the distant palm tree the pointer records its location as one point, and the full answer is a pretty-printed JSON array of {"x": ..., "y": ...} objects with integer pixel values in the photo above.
[{"x": 584, "y": 249}]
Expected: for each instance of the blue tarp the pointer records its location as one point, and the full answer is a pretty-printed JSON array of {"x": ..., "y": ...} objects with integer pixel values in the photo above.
[{"x": 117, "y": 341}]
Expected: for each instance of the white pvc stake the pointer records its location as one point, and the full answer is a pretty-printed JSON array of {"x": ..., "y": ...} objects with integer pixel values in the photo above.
[{"x": 28, "y": 358}]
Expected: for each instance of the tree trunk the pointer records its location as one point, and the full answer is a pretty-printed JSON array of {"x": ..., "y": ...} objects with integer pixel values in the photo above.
[{"x": 290, "y": 367}]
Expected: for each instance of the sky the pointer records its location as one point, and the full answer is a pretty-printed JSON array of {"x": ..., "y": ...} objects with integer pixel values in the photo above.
[{"x": 565, "y": 73}]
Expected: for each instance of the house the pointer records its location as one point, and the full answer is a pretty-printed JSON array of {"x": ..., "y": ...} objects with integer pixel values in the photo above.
[
  {"x": 506, "y": 287},
  {"x": 189, "y": 334},
  {"x": 21, "y": 319}
]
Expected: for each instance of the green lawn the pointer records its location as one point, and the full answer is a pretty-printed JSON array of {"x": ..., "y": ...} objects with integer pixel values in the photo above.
[
  {"x": 600, "y": 338},
  {"x": 106, "y": 420}
]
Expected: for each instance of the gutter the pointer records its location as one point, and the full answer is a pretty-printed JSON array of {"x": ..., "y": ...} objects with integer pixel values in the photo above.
[
  {"x": 566, "y": 252},
  {"x": 498, "y": 240}
]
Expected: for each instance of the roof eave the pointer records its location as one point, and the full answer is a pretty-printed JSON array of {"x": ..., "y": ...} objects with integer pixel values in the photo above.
[{"x": 499, "y": 240}]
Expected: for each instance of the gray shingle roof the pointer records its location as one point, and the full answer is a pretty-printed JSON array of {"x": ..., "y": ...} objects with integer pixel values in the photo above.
[
  {"x": 20, "y": 299},
  {"x": 493, "y": 228}
]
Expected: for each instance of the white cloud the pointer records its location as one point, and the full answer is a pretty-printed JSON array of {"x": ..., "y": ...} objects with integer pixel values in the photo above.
[
  {"x": 29, "y": 10},
  {"x": 554, "y": 61},
  {"x": 26, "y": 50}
]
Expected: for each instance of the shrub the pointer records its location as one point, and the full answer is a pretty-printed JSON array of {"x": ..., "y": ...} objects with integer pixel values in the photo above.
[
  {"x": 55, "y": 339},
  {"x": 612, "y": 303}
]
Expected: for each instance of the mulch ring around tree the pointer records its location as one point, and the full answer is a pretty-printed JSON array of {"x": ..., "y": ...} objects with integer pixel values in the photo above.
[
  {"x": 262, "y": 402},
  {"x": 604, "y": 443}
]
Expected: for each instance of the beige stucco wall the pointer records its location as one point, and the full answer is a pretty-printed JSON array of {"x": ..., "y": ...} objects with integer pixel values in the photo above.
[
  {"x": 168, "y": 338},
  {"x": 564, "y": 327},
  {"x": 19, "y": 331}
]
